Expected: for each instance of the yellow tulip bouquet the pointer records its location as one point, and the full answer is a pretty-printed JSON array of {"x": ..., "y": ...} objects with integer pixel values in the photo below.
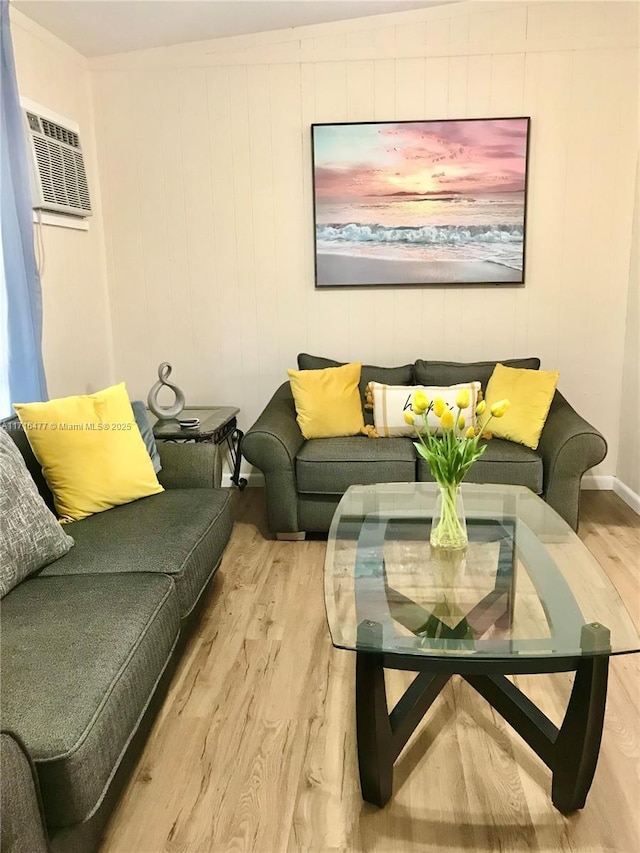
[{"x": 450, "y": 455}]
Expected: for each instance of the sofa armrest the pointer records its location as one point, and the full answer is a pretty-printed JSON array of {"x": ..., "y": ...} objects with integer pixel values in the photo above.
[
  {"x": 189, "y": 465},
  {"x": 569, "y": 446},
  {"x": 271, "y": 445},
  {"x": 22, "y": 825}
]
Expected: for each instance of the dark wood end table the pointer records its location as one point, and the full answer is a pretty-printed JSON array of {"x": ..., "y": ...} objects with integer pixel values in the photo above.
[{"x": 218, "y": 425}]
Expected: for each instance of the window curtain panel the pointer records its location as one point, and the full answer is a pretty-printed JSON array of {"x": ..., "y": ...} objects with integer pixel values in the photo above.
[{"x": 18, "y": 270}]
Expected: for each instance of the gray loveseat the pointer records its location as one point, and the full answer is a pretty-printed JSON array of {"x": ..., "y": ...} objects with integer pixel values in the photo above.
[
  {"x": 304, "y": 480},
  {"x": 89, "y": 645}
]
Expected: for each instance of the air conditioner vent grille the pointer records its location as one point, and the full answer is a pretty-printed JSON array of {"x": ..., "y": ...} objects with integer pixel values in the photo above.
[
  {"x": 60, "y": 179},
  {"x": 61, "y": 134},
  {"x": 83, "y": 186},
  {"x": 44, "y": 168}
]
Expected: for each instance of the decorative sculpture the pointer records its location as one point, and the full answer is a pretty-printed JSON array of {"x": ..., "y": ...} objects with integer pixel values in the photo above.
[{"x": 165, "y": 413}]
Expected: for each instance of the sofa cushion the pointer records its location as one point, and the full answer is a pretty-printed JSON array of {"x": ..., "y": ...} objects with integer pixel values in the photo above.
[
  {"x": 181, "y": 532},
  {"x": 502, "y": 462},
  {"x": 402, "y": 375},
  {"x": 81, "y": 656},
  {"x": 30, "y": 534},
  {"x": 453, "y": 372},
  {"x": 331, "y": 465}
]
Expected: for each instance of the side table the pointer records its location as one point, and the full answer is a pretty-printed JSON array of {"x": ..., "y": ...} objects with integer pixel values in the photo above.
[{"x": 218, "y": 425}]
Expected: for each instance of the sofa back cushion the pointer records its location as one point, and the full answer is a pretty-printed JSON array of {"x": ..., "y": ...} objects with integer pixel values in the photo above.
[
  {"x": 454, "y": 372},
  {"x": 30, "y": 535},
  {"x": 15, "y": 430}
]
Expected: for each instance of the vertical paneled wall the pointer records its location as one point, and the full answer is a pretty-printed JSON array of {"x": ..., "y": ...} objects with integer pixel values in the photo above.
[
  {"x": 205, "y": 161},
  {"x": 628, "y": 467},
  {"x": 76, "y": 322}
]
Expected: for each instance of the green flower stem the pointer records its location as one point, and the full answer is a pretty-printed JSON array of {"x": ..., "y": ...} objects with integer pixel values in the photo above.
[{"x": 449, "y": 532}]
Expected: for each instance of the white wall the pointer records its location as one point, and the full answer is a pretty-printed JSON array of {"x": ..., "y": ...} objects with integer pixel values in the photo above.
[
  {"x": 77, "y": 333},
  {"x": 204, "y": 153},
  {"x": 628, "y": 470}
]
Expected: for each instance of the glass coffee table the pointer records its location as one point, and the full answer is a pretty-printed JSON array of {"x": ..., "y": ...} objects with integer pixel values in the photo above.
[{"x": 526, "y": 596}]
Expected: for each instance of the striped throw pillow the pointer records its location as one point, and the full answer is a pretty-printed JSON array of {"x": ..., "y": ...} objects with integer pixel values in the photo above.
[{"x": 391, "y": 401}]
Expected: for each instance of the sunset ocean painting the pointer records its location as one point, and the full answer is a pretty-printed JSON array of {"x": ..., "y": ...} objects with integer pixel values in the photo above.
[{"x": 425, "y": 202}]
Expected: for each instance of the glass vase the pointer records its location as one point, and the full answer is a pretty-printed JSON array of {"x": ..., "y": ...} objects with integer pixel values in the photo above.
[{"x": 448, "y": 527}]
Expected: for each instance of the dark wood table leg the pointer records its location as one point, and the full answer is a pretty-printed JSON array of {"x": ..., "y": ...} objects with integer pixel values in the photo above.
[
  {"x": 578, "y": 742},
  {"x": 375, "y": 751},
  {"x": 234, "y": 444}
]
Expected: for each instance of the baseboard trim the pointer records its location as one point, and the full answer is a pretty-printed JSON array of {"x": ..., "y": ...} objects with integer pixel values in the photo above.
[
  {"x": 255, "y": 479},
  {"x": 590, "y": 482},
  {"x": 597, "y": 482},
  {"x": 628, "y": 495}
]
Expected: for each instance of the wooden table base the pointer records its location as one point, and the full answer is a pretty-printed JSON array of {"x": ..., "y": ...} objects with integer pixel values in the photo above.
[{"x": 571, "y": 752}]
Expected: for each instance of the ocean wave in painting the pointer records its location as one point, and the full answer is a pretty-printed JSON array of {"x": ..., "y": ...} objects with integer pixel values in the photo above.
[{"x": 425, "y": 234}]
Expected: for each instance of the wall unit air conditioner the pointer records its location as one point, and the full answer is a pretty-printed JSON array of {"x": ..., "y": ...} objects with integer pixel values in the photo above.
[{"x": 58, "y": 175}]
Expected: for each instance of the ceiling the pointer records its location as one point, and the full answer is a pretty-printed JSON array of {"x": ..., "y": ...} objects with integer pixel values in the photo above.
[{"x": 101, "y": 27}]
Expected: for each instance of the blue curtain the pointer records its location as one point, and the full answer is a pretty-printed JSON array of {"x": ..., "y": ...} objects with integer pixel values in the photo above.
[{"x": 18, "y": 270}]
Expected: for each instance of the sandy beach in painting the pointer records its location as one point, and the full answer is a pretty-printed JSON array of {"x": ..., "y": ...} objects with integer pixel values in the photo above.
[{"x": 336, "y": 269}]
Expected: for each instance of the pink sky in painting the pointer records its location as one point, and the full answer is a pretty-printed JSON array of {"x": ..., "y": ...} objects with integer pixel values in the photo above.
[{"x": 420, "y": 158}]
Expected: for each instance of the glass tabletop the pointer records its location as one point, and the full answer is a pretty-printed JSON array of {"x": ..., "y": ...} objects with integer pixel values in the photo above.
[{"x": 525, "y": 585}]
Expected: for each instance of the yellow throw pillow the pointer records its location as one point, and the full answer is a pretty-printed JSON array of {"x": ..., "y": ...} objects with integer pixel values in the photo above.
[
  {"x": 530, "y": 393},
  {"x": 328, "y": 401},
  {"x": 91, "y": 451}
]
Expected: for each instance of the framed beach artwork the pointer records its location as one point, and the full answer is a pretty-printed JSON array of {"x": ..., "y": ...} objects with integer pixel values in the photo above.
[{"x": 420, "y": 202}]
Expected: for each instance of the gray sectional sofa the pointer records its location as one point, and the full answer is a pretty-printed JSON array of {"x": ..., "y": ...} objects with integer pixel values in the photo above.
[
  {"x": 89, "y": 645},
  {"x": 304, "y": 480}
]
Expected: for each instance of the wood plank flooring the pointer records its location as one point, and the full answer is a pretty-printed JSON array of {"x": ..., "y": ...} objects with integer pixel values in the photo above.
[{"x": 255, "y": 750}]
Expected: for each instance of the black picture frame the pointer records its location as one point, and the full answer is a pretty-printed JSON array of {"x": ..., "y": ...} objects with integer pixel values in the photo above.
[{"x": 420, "y": 203}]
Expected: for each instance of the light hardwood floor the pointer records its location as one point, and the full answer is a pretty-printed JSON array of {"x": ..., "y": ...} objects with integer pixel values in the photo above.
[{"x": 254, "y": 749}]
